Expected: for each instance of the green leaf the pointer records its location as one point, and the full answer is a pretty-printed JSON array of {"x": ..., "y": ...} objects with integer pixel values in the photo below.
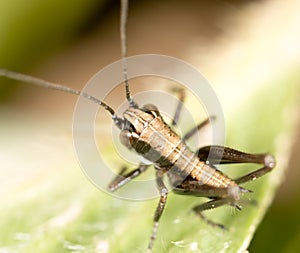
[
  {"x": 47, "y": 205},
  {"x": 59, "y": 210}
]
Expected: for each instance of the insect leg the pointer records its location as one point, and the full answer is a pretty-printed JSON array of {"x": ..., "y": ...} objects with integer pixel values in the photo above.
[
  {"x": 194, "y": 130},
  {"x": 177, "y": 115},
  {"x": 160, "y": 207},
  {"x": 179, "y": 107},
  {"x": 211, "y": 205},
  {"x": 121, "y": 179},
  {"x": 254, "y": 174},
  {"x": 218, "y": 196},
  {"x": 225, "y": 155}
]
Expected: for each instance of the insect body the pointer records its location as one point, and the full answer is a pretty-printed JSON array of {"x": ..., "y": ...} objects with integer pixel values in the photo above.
[
  {"x": 152, "y": 138},
  {"x": 193, "y": 173},
  {"x": 145, "y": 131}
]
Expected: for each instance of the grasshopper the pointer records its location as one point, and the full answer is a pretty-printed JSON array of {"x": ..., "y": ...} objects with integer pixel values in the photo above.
[{"x": 143, "y": 130}]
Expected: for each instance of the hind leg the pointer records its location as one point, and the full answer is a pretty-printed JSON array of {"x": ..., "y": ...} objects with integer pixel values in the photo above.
[
  {"x": 219, "y": 197},
  {"x": 199, "y": 209},
  {"x": 224, "y": 155}
]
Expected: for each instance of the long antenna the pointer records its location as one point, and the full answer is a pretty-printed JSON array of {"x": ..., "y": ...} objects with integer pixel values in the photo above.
[
  {"x": 123, "y": 22},
  {"x": 40, "y": 82}
]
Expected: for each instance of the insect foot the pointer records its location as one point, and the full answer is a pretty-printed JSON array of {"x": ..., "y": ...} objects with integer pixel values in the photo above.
[{"x": 270, "y": 161}]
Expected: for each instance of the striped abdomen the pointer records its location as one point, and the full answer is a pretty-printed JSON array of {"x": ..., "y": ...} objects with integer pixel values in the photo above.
[{"x": 155, "y": 141}]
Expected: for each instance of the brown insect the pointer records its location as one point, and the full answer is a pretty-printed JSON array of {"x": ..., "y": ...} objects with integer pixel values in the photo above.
[{"x": 193, "y": 173}]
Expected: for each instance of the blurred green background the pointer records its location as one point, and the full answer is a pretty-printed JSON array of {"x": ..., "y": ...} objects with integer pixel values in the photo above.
[{"x": 248, "y": 50}]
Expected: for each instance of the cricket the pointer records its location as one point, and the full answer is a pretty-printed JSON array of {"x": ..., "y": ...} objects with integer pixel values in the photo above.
[{"x": 188, "y": 172}]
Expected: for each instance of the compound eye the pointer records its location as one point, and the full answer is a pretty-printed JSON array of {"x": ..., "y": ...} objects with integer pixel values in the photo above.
[{"x": 150, "y": 108}]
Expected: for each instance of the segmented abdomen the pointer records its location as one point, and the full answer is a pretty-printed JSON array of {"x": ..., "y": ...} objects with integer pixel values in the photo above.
[{"x": 165, "y": 148}]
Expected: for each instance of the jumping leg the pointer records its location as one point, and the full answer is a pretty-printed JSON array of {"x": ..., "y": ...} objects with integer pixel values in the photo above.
[
  {"x": 208, "y": 206},
  {"x": 219, "y": 197},
  {"x": 223, "y": 155}
]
